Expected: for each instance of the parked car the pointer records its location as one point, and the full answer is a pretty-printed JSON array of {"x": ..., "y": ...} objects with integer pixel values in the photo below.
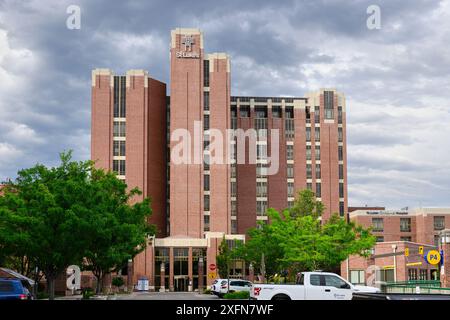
[
  {"x": 310, "y": 286},
  {"x": 220, "y": 286},
  {"x": 14, "y": 289}
]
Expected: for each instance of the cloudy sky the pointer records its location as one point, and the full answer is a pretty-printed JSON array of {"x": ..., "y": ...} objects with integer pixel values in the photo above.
[{"x": 396, "y": 78}]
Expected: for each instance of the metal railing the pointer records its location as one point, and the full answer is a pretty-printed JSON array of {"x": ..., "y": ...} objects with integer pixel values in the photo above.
[{"x": 415, "y": 286}]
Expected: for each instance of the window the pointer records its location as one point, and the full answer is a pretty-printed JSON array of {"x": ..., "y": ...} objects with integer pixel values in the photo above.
[
  {"x": 261, "y": 170},
  {"x": 290, "y": 152},
  {"x": 289, "y": 128},
  {"x": 308, "y": 133},
  {"x": 119, "y": 97},
  {"x": 290, "y": 189},
  {"x": 340, "y": 115},
  {"x": 206, "y": 182},
  {"x": 318, "y": 190},
  {"x": 405, "y": 239},
  {"x": 261, "y": 189},
  {"x": 206, "y": 223},
  {"x": 289, "y": 112},
  {"x": 340, "y": 153},
  {"x": 276, "y": 112},
  {"x": 261, "y": 112},
  {"x": 317, "y": 152},
  {"x": 328, "y": 100},
  {"x": 317, "y": 114},
  {"x": 233, "y": 208},
  {"x": 333, "y": 281},
  {"x": 340, "y": 134},
  {"x": 318, "y": 171},
  {"x": 119, "y": 129},
  {"x": 206, "y": 122},
  {"x": 244, "y": 111},
  {"x": 341, "y": 171},
  {"x": 206, "y": 202},
  {"x": 206, "y": 100},
  {"x": 341, "y": 209},
  {"x": 380, "y": 239},
  {"x": 119, "y": 167},
  {"x": 377, "y": 224},
  {"x": 317, "y": 134},
  {"x": 261, "y": 208},
  {"x": 309, "y": 186},
  {"x": 423, "y": 274},
  {"x": 233, "y": 170},
  {"x": 308, "y": 152},
  {"x": 119, "y": 148},
  {"x": 233, "y": 189},
  {"x": 308, "y": 115},
  {"x": 439, "y": 222},
  {"x": 341, "y": 190},
  {"x": 233, "y": 112},
  {"x": 308, "y": 171},
  {"x": 290, "y": 171},
  {"x": 206, "y": 73},
  {"x": 357, "y": 277},
  {"x": 405, "y": 224},
  {"x": 233, "y": 226},
  {"x": 314, "y": 280},
  {"x": 261, "y": 151},
  {"x": 206, "y": 162},
  {"x": 412, "y": 274}
]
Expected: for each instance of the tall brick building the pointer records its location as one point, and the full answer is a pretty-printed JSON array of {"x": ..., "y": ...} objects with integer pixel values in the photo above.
[{"x": 137, "y": 132}]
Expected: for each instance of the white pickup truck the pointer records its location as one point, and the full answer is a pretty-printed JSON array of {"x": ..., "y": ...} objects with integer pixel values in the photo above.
[{"x": 310, "y": 286}]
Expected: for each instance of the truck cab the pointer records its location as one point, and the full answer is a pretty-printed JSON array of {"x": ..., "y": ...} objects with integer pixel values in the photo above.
[{"x": 310, "y": 286}]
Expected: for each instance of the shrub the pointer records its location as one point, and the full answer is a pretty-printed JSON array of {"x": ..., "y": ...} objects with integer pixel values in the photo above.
[
  {"x": 42, "y": 295},
  {"x": 87, "y": 293},
  {"x": 237, "y": 295},
  {"x": 117, "y": 282}
]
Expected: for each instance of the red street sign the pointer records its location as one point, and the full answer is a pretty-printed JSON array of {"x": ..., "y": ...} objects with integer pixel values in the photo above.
[{"x": 212, "y": 267}]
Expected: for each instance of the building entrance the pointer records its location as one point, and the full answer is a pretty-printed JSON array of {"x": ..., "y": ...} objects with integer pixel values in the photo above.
[{"x": 181, "y": 283}]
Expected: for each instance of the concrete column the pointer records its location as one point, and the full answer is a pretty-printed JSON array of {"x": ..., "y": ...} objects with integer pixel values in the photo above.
[
  {"x": 163, "y": 277},
  {"x": 445, "y": 247},
  {"x": 251, "y": 273},
  {"x": 200, "y": 274},
  {"x": 130, "y": 284},
  {"x": 171, "y": 273},
  {"x": 190, "y": 283}
]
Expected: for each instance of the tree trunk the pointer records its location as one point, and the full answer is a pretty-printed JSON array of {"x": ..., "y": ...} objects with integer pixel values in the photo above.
[
  {"x": 51, "y": 287},
  {"x": 99, "y": 286}
]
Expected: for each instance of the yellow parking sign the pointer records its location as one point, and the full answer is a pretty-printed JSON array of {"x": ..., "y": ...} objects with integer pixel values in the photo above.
[
  {"x": 212, "y": 275},
  {"x": 421, "y": 250},
  {"x": 406, "y": 252},
  {"x": 433, "y": 257}
]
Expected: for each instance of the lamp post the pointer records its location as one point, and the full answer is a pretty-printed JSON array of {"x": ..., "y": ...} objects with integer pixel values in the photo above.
[{"x": 394, "y": 249}]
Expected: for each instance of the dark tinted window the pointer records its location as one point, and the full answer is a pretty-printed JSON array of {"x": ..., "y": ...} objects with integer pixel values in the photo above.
[
  {"x": 333, "y": 281},
  {"x": 6, "y": 286},
  {"x": 314, "y": 279}
]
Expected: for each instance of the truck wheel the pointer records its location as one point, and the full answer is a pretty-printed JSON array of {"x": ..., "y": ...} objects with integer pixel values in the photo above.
[{"x": 281, "y": 297}]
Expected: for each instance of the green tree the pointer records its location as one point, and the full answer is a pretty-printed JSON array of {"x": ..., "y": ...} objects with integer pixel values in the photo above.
[
  {"x": 40, "y": 216},
  {"x": 301, "y": 242},
  {"x": 262, "y": 241},
  {"x": 306, "y": 204},
  {"x": 224, "y": 259},
  {"x": 71, "y": 214},
  {"x": 115, "y": 230}
]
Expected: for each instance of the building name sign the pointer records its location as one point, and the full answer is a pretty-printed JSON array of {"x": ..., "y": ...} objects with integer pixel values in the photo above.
[{"x": 185, "y": 54}]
